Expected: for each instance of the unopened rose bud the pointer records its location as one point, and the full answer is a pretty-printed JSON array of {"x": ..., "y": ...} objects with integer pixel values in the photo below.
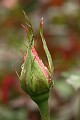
[{"x": 35, "y": 78}]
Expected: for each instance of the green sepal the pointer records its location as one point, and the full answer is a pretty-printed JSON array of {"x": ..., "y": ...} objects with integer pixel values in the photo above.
[
  {"x": 30, "y": 33},
  {"x": 50, "y": 61},
  {"x": 32, "y": 78}
]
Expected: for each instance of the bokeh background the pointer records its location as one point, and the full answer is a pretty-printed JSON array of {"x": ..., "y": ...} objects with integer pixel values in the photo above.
[{"x": 62, "y": 34}]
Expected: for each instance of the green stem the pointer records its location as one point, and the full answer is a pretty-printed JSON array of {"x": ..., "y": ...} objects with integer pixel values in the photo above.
[{"x": 44, "y": 110}]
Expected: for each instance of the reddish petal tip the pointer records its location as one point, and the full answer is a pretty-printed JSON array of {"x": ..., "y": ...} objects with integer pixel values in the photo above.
[
  {"x": 41, "y": 23},
  {"x": 42, "y": 18}
]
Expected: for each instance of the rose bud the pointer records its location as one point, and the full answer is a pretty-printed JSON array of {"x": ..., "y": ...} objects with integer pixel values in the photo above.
[{"x": 36, "y": 78}]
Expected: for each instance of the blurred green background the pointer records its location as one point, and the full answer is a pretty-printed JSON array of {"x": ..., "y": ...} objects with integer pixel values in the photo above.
[{"x": 62, "y": 34}]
